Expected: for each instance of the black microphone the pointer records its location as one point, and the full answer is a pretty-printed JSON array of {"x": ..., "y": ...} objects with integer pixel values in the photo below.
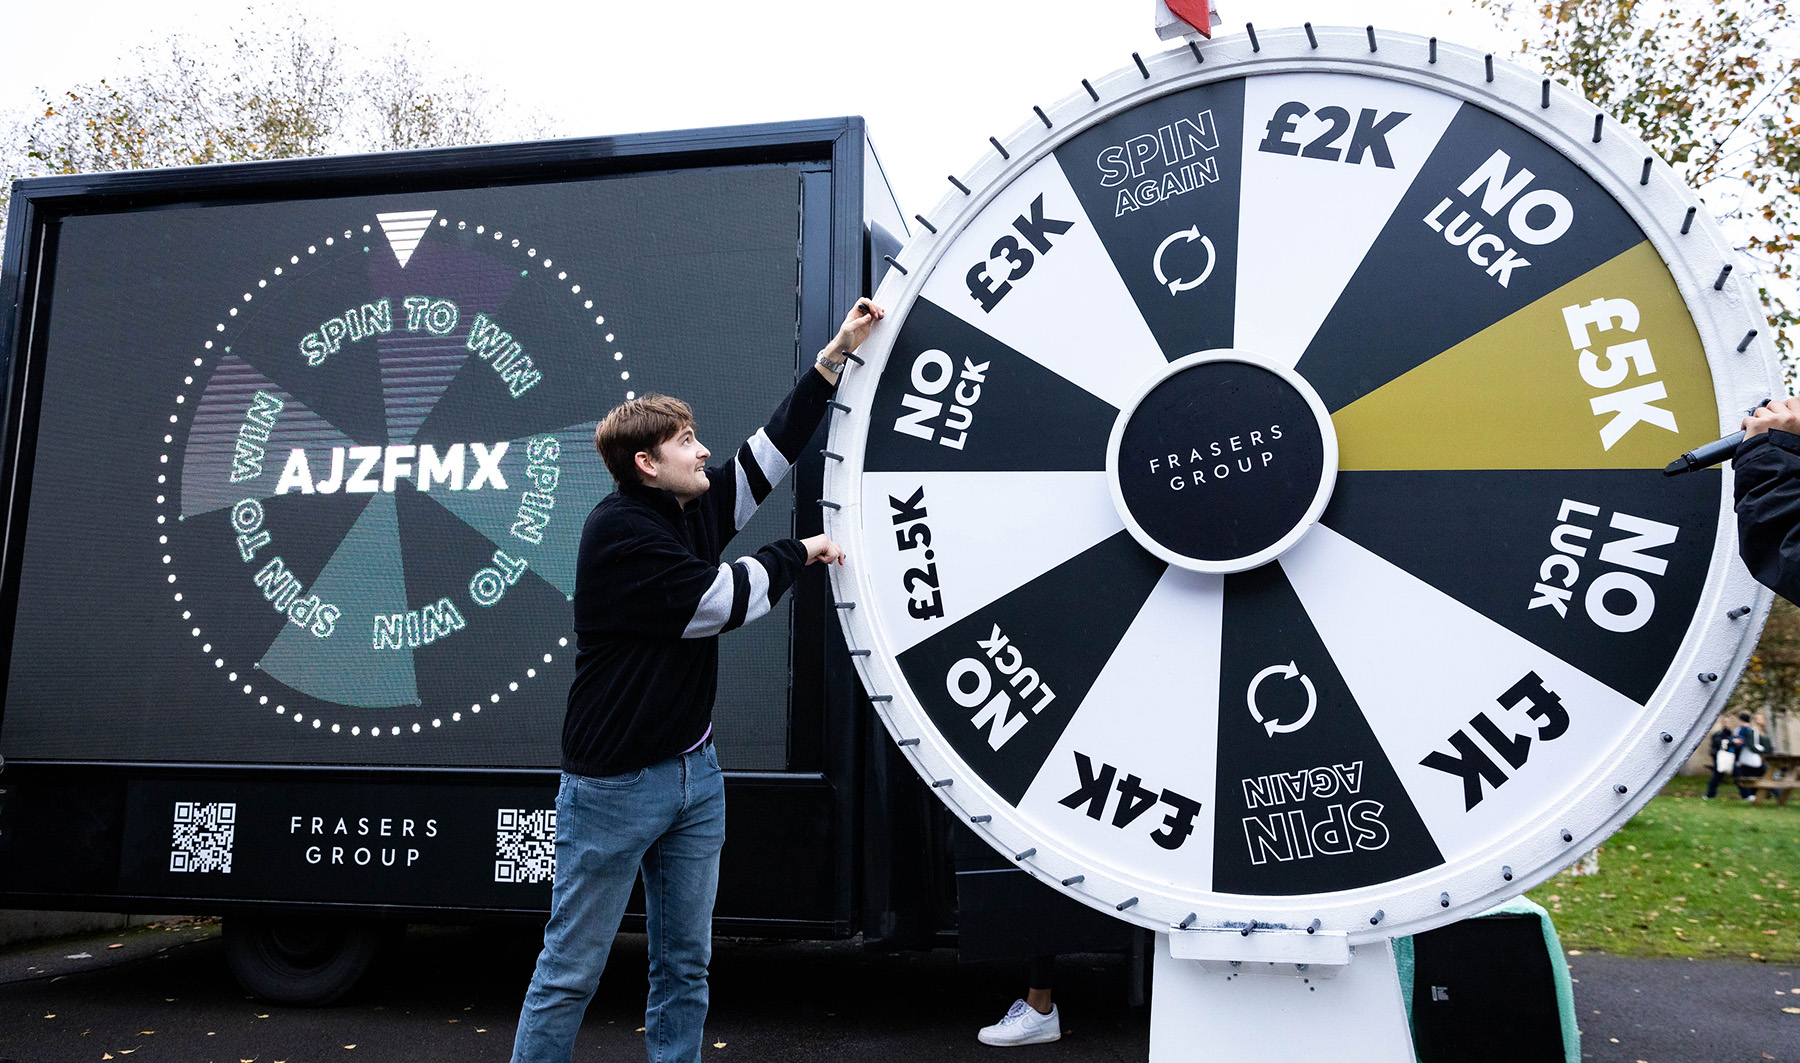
[
  {"x": 1719, "y": 450},
  {"x": 1705, "y": 457}
]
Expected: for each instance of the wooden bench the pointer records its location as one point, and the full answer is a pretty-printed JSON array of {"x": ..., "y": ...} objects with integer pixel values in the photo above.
[{"x": 1779, "y": 788}]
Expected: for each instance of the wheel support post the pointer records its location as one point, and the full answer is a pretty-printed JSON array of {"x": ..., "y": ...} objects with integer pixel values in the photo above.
[{"x": 1342, "y": 1008}]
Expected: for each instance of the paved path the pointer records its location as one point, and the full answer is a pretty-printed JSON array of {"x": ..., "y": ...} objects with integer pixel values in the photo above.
[
  {"x": 1706, "y": 1011},
  {"x": 164, "y": 994}
]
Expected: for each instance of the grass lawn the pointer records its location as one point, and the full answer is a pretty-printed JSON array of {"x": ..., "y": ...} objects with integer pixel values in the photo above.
[{"x": 1688, "y": 877}]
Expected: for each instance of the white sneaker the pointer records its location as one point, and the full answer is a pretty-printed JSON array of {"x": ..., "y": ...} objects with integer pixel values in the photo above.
[{"x": 1023, "y": 1025}]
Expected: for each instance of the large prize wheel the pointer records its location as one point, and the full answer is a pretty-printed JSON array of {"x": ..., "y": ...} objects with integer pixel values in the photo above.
[{"x": 1254, "y": 497}]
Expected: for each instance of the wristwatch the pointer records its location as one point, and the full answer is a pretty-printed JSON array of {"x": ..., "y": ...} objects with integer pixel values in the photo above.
[{"x": 825, "y": 362}]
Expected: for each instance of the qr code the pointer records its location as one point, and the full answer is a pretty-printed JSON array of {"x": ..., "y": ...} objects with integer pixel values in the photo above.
[
  {"x": 202, "y": 836},
  {"x": 525, "y": 846}
]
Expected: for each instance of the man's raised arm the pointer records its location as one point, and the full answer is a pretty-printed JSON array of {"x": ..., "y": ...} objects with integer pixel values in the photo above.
[{"x": 741, "y": 484}]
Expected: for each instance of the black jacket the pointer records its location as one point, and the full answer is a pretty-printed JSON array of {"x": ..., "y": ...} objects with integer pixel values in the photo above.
[
  {"x": 1720, "y": 739},
  {"x": 1766, "y": 478},
  {"x": 652, "y": 597}
]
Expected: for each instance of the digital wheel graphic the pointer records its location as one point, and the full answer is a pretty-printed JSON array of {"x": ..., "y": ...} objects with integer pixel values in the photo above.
[
  {"x": 376, "y": 479},
  {"x": 1254, "y": 496}
]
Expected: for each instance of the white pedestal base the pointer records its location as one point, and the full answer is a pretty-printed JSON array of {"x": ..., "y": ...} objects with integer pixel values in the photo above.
[{"x": 1207, "y": 1010}]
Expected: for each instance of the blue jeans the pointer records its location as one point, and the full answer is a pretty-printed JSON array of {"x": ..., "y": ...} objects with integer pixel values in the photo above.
[{"x": 668, "y": 821}]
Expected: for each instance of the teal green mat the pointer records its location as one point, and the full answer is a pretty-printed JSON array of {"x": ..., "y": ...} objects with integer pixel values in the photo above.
[{"x": 1559, "y": 970}]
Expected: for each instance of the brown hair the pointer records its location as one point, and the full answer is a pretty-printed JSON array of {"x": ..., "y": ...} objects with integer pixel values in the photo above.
[{"x": 641, "y": 424}]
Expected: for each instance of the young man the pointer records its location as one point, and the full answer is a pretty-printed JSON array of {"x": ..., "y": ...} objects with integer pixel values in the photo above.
[{"x": 641, "y": 789}]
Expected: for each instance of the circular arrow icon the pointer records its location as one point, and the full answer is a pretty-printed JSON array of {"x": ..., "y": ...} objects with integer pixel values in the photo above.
[
  {"x": 1188, "y": 235},
  {"x": 1289, "y": 670}
]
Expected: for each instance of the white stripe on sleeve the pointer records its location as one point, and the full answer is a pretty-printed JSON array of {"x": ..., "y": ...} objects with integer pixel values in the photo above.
[
  {"x": 759, "y": 588},
  {"x": 770, "y": 465},
  {"x": 714, "y": 612},
  {"x": 714, "y": 609},
  {"x": 768, "y": 459},
  {"x": 746, "y": 502}
]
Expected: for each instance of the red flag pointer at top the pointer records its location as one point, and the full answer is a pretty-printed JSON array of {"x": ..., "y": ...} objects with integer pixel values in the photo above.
[{"x": 1196, "y": 13}]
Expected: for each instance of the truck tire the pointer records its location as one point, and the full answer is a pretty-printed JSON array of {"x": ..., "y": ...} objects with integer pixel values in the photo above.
[{"x": 309, "y": 962}]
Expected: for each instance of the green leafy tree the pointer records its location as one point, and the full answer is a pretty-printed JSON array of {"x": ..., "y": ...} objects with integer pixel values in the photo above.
[
  {"x": 282, "y": 88},
  {"x": 1772, "y": 677},
  {"x": 1712, "y": 87}
]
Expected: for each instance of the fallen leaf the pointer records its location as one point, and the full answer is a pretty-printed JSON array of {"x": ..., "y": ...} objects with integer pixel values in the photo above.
[
  {"x": 1572, "y": 952},
  {"x": 52, "y": 1015},
  {"x": 116, "y": 945},
  {"x": 640, "y": 1029},
  {"x": 79, "y": 956},
  {"x": 147, "y": 1033},
  {"x": 1792, "y": 1011},
  {"x": 265, "y": 1016},
  {"x": 1771, "y": 933},
  {"x": 171, "y": 1000},
  {"x": 107, "y": 1055},
  {"x": 718, "y": 1044},
  {"x": 126, "y": 1051},
  {"x": 452, "y": 1020}
]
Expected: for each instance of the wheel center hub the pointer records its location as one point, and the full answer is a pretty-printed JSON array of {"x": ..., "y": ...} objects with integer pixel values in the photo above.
[{"x": 1222, "y": 462}]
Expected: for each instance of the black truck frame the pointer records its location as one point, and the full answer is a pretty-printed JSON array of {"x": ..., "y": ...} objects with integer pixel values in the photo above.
[{"x": 843, "y": 840}]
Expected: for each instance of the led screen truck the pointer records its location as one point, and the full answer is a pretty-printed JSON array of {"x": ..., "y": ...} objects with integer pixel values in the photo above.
[{"x": 296, "y": 460}]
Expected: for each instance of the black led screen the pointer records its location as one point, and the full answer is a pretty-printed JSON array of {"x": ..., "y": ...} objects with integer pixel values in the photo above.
[{"x": 309, "y": 475}]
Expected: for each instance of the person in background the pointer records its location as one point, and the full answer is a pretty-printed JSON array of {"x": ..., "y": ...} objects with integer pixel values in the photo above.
[
  {"x": 1749, "y": 745},
  {"x": 1720, "y": 752}
]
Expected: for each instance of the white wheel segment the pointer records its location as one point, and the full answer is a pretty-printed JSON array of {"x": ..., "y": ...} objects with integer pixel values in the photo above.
[{"x": 1286, "y": 286}]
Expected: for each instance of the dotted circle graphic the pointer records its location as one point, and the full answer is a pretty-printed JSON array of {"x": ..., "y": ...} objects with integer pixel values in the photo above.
[{"x": 348, "y": 241}]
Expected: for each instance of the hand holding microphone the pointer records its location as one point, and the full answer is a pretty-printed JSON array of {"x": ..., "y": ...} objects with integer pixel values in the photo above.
[{"x": 1783, "y": 414}]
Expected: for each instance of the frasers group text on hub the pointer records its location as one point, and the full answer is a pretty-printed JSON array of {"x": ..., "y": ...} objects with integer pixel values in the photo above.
[{"x": 1240, "y": 453}]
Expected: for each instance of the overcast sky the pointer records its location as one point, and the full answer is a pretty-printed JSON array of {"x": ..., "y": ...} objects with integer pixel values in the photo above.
[{"x": 934, "y": 77}]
